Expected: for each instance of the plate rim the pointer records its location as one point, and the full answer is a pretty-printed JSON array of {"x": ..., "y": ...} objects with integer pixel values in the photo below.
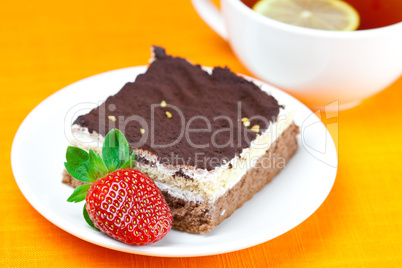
[{"x": 62, "y": 223}]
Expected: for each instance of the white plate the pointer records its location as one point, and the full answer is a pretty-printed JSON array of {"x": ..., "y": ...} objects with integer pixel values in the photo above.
[{"x": 38, "y": 154}]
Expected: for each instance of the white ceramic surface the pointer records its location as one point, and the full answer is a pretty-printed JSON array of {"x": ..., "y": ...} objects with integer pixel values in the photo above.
[
  {"x": 316, "y": 66},
  {"x": 287, "y": 201}
]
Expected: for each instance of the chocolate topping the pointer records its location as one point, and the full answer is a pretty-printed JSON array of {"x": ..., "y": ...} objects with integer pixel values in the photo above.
[
  {"x": 159, "y": 52},
  {"x": 143, "y": 160},
  {"x": 205, "y": 128},
  {"x": 180, "y": 173}
]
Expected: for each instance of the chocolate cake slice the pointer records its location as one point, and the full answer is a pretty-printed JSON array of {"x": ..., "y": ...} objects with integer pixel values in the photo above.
[{"x": 210, "y": 140}]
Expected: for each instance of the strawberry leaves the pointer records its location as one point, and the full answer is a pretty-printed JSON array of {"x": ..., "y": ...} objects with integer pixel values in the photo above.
[
  {"x": 88, "y": 219},
  {"x": 129, "y": 163},
  {"x": 96, "y": 165},
  {"x": 77, "y": 164},
  {"x": 88, "y": 167},
  {"x": 79, "y": 193},
  {"x": 115, "y": 150}
]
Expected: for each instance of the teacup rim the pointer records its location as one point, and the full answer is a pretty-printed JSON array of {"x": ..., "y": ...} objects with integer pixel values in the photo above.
[{"x": 314, "y": 32}]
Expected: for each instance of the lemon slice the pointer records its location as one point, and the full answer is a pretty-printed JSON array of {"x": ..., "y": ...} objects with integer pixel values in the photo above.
[{"x": 334, "y": 15}]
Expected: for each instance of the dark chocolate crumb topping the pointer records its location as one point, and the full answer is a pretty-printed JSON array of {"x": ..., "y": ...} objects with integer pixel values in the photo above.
[
  {"x": 205, "y": 128},
  {"x": 143, "y": 160}
]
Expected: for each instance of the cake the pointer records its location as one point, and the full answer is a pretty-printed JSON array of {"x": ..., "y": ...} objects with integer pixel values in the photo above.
[{"x": 209, "y": 140}]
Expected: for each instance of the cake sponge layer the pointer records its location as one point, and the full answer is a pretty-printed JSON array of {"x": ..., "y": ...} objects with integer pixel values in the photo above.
[
  {"x": 188, "y": 182},
  {"x": 204, "y": 216}
]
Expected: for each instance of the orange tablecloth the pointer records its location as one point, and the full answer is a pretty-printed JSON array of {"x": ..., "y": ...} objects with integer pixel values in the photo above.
[{"x": 46, "y": 45}]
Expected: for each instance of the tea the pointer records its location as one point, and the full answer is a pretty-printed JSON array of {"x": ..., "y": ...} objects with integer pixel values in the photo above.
[{"x": 373, "y": 13}]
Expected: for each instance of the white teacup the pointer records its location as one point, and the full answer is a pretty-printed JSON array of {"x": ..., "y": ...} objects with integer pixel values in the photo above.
[{"x": 316, "y": 66}]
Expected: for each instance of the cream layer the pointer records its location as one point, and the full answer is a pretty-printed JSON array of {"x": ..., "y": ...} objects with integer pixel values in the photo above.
[{"x": 202, "y": 184}]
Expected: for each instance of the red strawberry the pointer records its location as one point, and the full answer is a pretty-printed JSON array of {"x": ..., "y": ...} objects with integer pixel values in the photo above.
[
  {"x": 128, "y": 206},
  {"x": 121, "y": 202}
]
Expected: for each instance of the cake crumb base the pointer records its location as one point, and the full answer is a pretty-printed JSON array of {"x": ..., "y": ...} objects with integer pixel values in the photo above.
[
  {"x": 196, "y": 217},
  {"x": 203, "y": 217}
]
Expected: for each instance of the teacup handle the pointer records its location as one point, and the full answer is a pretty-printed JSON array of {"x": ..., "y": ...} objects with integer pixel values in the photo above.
[{"x": 210, "y": 14}]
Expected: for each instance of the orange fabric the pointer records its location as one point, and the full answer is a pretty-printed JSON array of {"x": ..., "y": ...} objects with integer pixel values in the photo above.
[{"x": 46, "y": 45}]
